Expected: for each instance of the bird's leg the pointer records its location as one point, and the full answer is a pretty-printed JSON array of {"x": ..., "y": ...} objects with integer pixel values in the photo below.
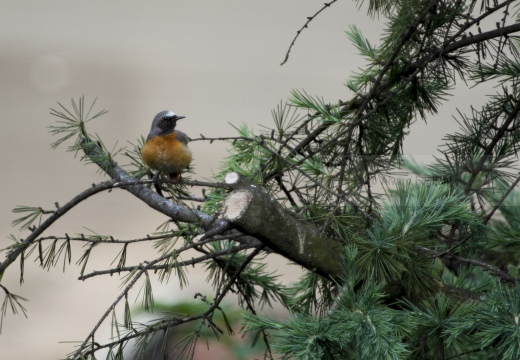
[{"x": 156, "y": 184}]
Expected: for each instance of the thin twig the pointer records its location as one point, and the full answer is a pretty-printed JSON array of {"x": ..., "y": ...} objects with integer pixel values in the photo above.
[
  {"x": 192, "y": 261},
  {"x": 309, "y": 19},
  {"x": 493, "y": 269},
  {"x": 506, "y": 194},
  {"x": 174, "y": 321},
  {"x": 78, "y": 353}
]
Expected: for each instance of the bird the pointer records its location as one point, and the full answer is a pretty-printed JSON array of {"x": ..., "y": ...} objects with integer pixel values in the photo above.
[{"x": 166, "y": 149}]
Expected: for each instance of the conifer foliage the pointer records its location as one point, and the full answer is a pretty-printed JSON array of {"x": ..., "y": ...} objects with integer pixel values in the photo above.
[{"x": 427, "y": 271}]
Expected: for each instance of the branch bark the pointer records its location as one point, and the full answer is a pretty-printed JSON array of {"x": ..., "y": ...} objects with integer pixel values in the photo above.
[
  {"x": 151, "y": 198},
  {"x": 252, "y": 210}
]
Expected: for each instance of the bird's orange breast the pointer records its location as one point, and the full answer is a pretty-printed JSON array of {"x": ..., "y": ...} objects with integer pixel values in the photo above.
[{"x": 166, "y": 154}]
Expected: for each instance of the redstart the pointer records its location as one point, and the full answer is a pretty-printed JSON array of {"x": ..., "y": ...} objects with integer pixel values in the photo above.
[{"x": 166, "y": 149}]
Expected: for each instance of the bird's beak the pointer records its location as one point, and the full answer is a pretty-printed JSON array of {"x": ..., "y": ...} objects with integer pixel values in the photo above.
[{"x": 178, "y": 117}]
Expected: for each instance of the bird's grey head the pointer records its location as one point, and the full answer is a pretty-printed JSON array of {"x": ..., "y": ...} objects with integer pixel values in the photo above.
[{"x": 164, "y": 123}]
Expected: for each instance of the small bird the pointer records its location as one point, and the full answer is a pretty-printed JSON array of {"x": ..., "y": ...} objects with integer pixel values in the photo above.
[{"x": 166, "y": 149}]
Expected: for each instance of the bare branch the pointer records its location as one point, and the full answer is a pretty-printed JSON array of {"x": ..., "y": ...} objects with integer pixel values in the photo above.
[{"x": 309, "y": 19}]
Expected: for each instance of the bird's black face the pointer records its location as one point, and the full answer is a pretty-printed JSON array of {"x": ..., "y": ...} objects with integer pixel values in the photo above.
[{"x": 164, "y": 122}]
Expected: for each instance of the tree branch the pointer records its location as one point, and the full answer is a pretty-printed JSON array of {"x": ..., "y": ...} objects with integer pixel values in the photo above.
[
  {"x": 309, "y": 19},
  {"x": 252, "y": 210},
  {"x": 58, "y": 213},
  {"x": 151, "y": 198},
  {"x": 488, "y": 267},
  {"x": 192, "y": 261}
]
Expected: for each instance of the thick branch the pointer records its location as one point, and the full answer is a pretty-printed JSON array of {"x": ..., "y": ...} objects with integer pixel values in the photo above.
[
  {"x": 252, "y": 210},
  {"x": 151, "y": 198}
]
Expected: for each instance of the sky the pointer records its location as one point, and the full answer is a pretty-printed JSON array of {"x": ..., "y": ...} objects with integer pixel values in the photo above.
[{"x": 215, "y": 62}]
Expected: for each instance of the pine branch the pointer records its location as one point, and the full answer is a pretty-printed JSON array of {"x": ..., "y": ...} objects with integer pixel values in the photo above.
[
  {"x": 493, "y": 269},
  {"x": 192, "y": 261},
  {"x": 512, "y": 116},
  {"x": 391, "y": 59},
  {"x": 499, "y": 203},
  {"x": 19, "y": 248},
  {"x": 164, "y": 324}
]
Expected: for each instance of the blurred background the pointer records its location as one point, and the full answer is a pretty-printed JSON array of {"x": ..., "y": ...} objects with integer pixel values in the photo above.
[{"x": 215, "y": 62}]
